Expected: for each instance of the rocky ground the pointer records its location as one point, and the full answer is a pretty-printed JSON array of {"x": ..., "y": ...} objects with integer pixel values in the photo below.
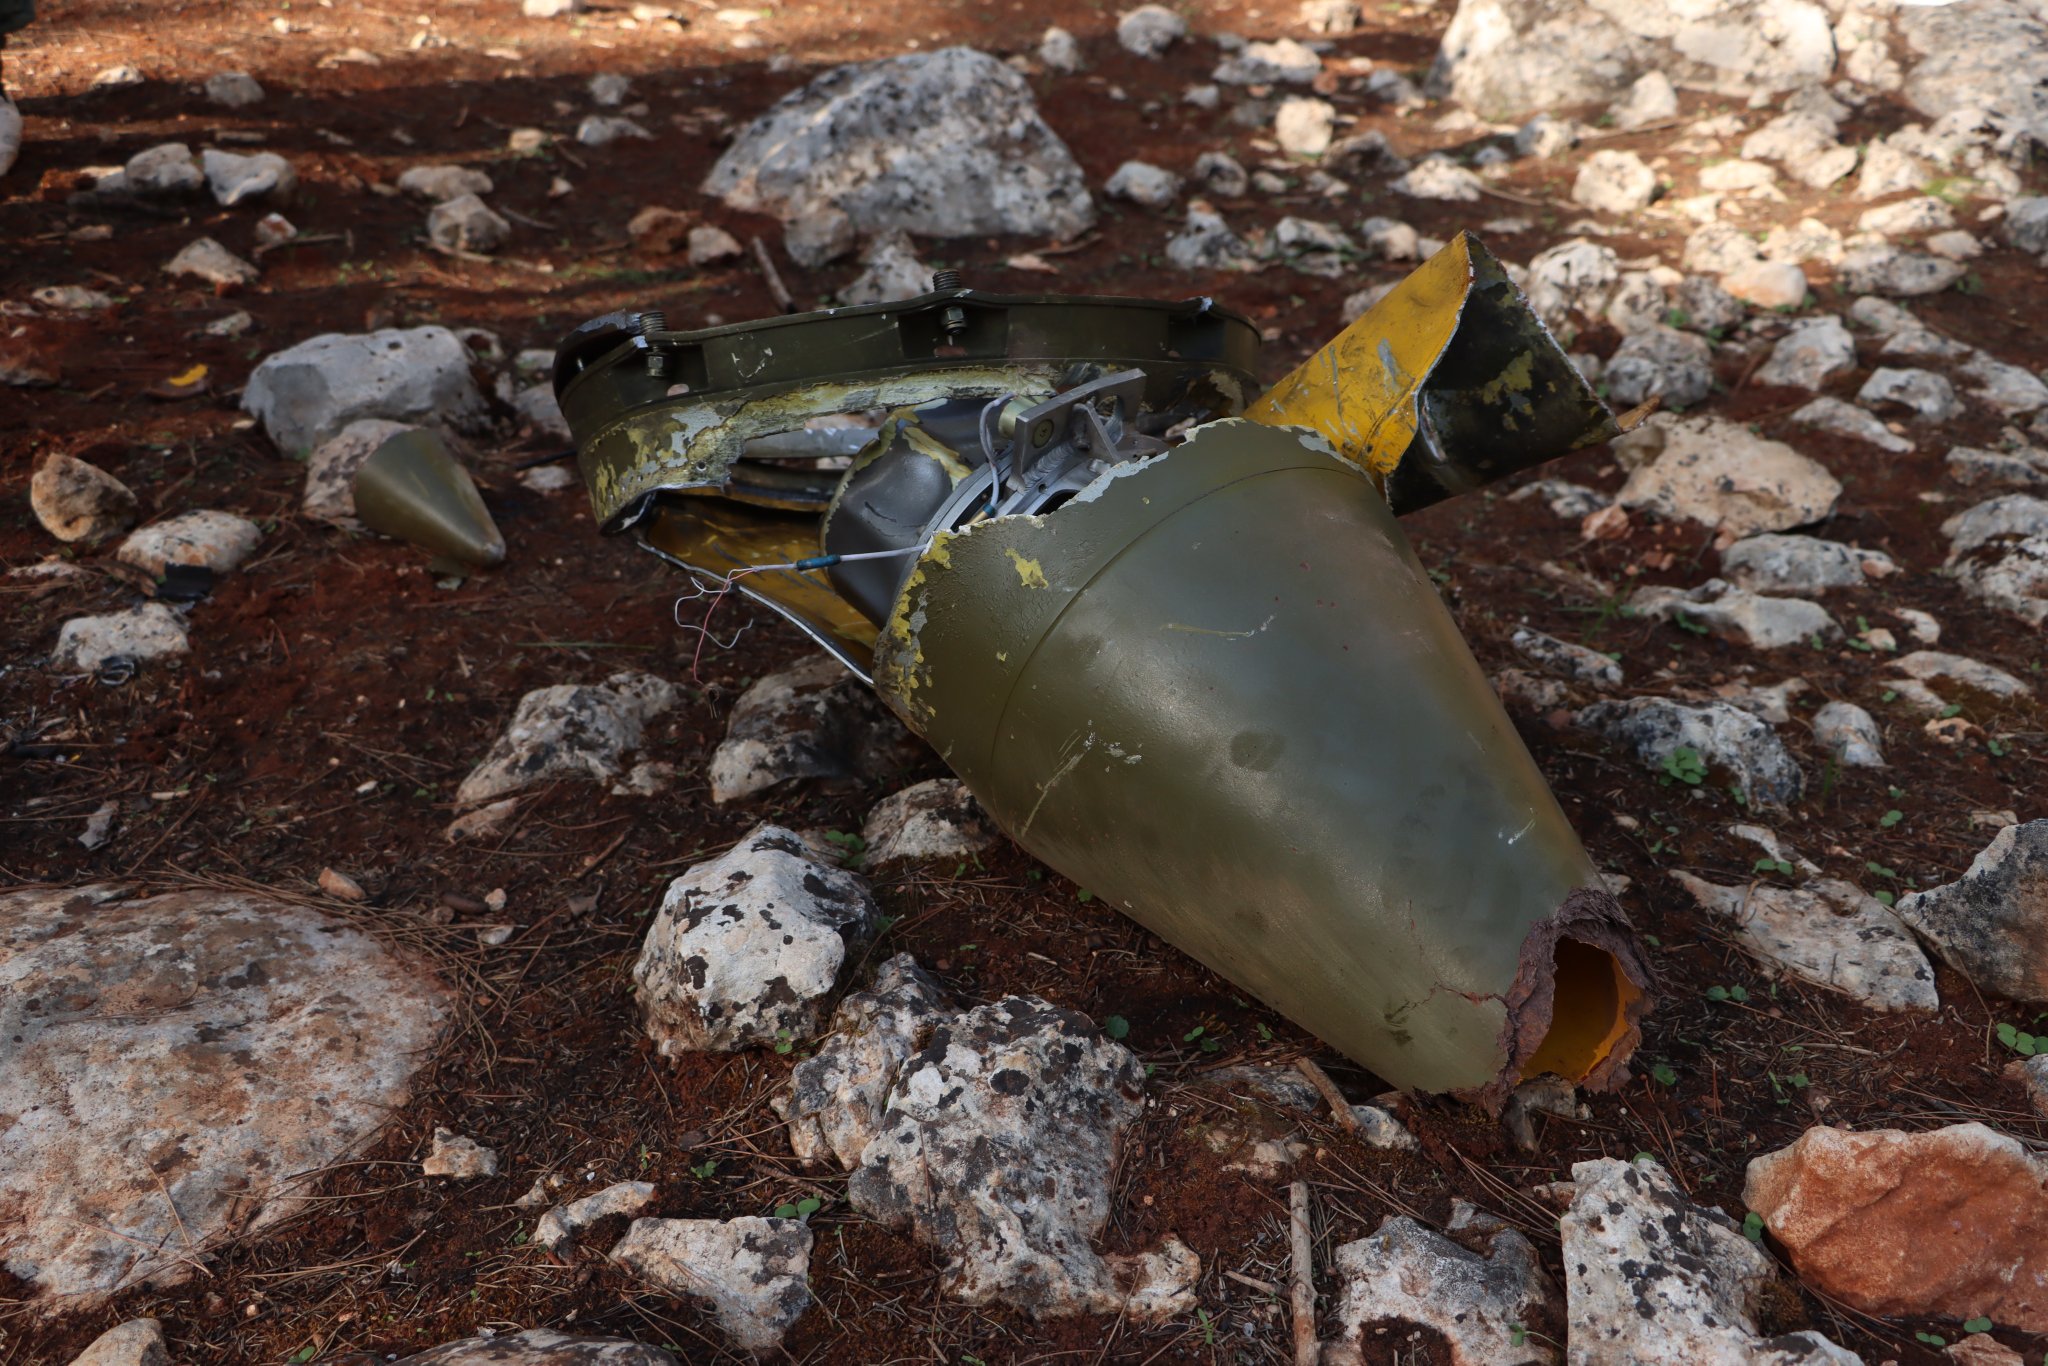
[{"x": 408, "y": 963}]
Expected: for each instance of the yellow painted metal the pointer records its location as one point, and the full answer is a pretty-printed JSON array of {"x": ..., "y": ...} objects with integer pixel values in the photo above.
[{"x": 1361, "y": 391}]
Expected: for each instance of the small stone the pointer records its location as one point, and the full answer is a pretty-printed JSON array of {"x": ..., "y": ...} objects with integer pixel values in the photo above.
[
  {"x": 1546, "y": 135},
  {"x": 550, "y": 9},
  {"x": 1205, "y": 242},
  {"x": 1149, "y": 30},
  {"x": 1058, "y": 51},
  {"x": 1943, "y": 1223},
  {"x": 1378, "y": 1128},
  {"x": 466, "y": 223},
  {"x": 1476, "y": 1296},
  {"x": 1773, "y": 563},
  {"x": 460, "y": 1157},
  {"x": 659, "y": 230},
  {"x": 526, "y": 141},
  {"x": 1907, "y": 217},
  {"x": 1143, "y": 183},
  {"x": 1221, "y": 175},
  {"x": 1924, "y": 392},
  {"x": 1718, "y": 472},
  {"x": 213, "y": 263},
  {"x": 1282, "y": 61},
  {"x": 482, "y": 823},
  {"x": 890, "y": 269},
  {"x": 809, "y": 723},
  {"x": 1767, "y": 284},
  {"x": 1614, "y": 182},
  {"x": 565, "y": 1221},
  {"x": 1650, "y": 100},
  {"x": 1737, "y": 177},
  {"x": 1573, "y": 502},
  {"x": 608, "y": 89},
  {"x": 1811, "y": 354},
  {"x": 216, "y": 541},
  {"x": 72, "y": 299},
  {"x": 1567, "y": 660},
  {"x": 539, "y": 1346},
  {"x": 711, "y": 246},
  {"x": 1731, "y": 613},
  {"x": 2026, "y": 223},
  {"x": 2032, "y": 1076},
  {"x": 308, "y": 393},
  {"x": 747, "y": 947},
  {"x": 1573, "y": 276},
  {"x": 1968, "y": 675},
  {"x": 236, "y": 179},
  {"x": 138, "y": 1342},
  {"x": 443, "y": 183},
  {"x": 234, "y": 89},
  {"x": 274, "y": 230},
  {"x": 1850, "y": 734},
  {"x": 1723, "y": 737},
  {"x": 1834, "y": 416},
  {"x": 936, "y": 819},
  {"x": 568, "y": 732},
  {"x": 1304, "y": 127},
  {"x": 752, "y": 1271},
  {"x": 1439, "y": 178},
  {"x": 2012, "y": 390},
  {"x": 1332, "y": 17},
  {"x": 341, "y": 886},
  {"x": 151, "y": 631},
  {"x": 1991, "y": 924},
  {"x": 76, "y": 501},
  {"x": 162, "y": 172},
  {"x": 1718, "y": 248},
  {"x": 601, "y": 130},
  {"x": 1904, "y": 274},
  {"x": 1887, "y": 170},
  {"x": 1661, "y": 362}
]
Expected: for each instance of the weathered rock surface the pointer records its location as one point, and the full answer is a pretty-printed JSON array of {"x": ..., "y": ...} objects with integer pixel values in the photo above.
[
  {"x": 237, "y": 179},
  {"x": 151, "y": 631},
  {"x": 747, "y": 947},
  {"x": 138, "y": 1342},
  {"x": 212, "y": 540},
  {"x": 1476, "y": 1293},
  {"x": 306, "y": 394},
  {"x": 573, "y": 731},
  {"x": 1810, "y": 355},
  {"x": 1652, "y": 1279},
  {"x": 1573, "y": 276},
  {"x": 943, "y": 144},
  {"x": 936, "y": 819},
  {"x": 208, "y": 261},
  {"x": 1998, "y": 552},
  {"x": 1724, "y": 736},
  {"x": 466, "y": 223},
  {"x": 1661, "y": 362},
  {"x": 814, "y": 721},
  {"x": 77, "y": 501},
  {"x": 1948, "y": 1222},
  {"x": 540, "y": 1346},
  {"x": 819, "y": 238},
  {"x": 1991, "y": 924},
  {"x": 1566, "y": 660},
  {"x": 1846, "y": 419},
  {"x": 1827, "y": 932},
  {"x": 1711, "y": 470},
  {"x": 331, "y": 470},
  {"x": 1149, "y": 30},
  {"x": 1962, "y": 673},
  {"x": 234, "y": 89},
  {"x": 1850, "y": 734},
  {"x": 1802, "y": 564},
  {"x": 751, "y": 1271},
  {"x": 443, "y": 183},
  {"x": 1731, "y": 613},
  {"x": 171, "y": 1067},
  {"x": 459, "y": 1156},
  {"x": 1923, "y": 392},
  {"x": 1282, "y": 61},
  {"x": 1614, "y": 182},
  {"x": 1143, "y": 183},
  {"x": 990, "y": 1135},
  {"x": 890, "y": 269},
  {"x": 565, "y": 1221}
]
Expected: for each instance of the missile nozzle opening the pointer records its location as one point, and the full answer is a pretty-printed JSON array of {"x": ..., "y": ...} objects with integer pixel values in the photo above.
[{"x": 1590, "y": 1013}]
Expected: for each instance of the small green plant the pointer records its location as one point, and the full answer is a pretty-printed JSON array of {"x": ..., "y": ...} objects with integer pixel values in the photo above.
[
  {"x": 1980, "y": 1324},
  {"x": 1117, "y": 1027},
  {"x": 1686, "y": 623},
  {"x": 1888, "y": 695},
  {"x": 1665, "y": 1074},
  {"x": 1891, "y": 818},
  {"x": 1208, "y": 1328},
  {"x": 1773, "y": 865},
  {"x": 706, "y": 1169},
  {"x": 1753, "y": 1226},
  {"x": 784, "y": 1041},
  {"x": 2020, "y": 1042},
  {"x": 1873, "y": 866},
  {"x": 306, "y": 1353},
  {"x": 1952, "y": 709},
  {"x": 852, "y": 848},
  {"x": 802, "y": 1209},
  {"x": 1995, "y": 748},
  {"x": 1931, "y": 1339},
  {"x": 1735, "y": 994},
  {"x": 1083, "y": 895},
  {"x": 1686, "y": 765}
]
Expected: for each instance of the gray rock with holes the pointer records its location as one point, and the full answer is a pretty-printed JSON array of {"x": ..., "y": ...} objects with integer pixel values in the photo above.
[
  {"x": 569, "y": 731},
  {"x": 307, "y": 393},
  {"x": 750, "y": 1272},
  {"x": 1991, "y": 924},
  {"x": 1727, "y": 740}
]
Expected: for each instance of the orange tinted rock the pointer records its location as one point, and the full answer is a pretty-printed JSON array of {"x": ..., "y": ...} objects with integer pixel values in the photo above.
[{"x": 1952, "y": 1222}]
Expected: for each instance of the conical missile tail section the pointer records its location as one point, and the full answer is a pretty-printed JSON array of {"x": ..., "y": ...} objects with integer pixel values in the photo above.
[
  {"x": 412, "y": 488},
  {"x": 1171, "y": 635}
]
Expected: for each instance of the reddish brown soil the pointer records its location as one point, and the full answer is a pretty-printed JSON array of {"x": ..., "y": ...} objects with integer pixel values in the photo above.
[{"x": 333, "y": 662}]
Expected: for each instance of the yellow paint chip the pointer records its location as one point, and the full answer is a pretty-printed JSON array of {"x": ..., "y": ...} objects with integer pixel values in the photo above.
[
  {"x": 1029, "y": 572},
  {"x": 190, "y": 377}
]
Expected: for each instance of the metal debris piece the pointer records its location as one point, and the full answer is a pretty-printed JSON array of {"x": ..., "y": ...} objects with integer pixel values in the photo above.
[{"x": 413, "y": 489}]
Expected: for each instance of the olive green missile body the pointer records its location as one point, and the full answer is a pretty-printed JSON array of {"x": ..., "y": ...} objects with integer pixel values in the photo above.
[
  {"x": 412, "y": 488},
  {"x": 1208, "y": 680}
]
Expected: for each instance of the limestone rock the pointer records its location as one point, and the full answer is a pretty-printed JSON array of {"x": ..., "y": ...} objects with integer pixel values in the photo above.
[
  {"x": 1991, "y": 924},
  {"x": 1143, "y": 183},
  {"x": 752, "y": 1271},
  {"x": 1058, "y": 50},
  {"x": 1850, "y": 734},
  {"x": 659, "y": 230},
  {"x": 2026, "y": 223},
  {"x": 1149, "y": 30},
  {"x": 166, "y": 171},
  {"x": 1206, "y": 243},
  {"x": 540, "y": 1346},
  {"x": 443, "y": 183},
  {"x": 213, "y": 263},
  {"x": 1987, "y": 57},
  {"x": 819, "y": 238},
  {"x": 1280, "y": 62},
  {"x": 1475, "y": 1295},
  {"x": 1660, "y": 361},
  {"x": 890, "y": 269},
  {"x": 1998, "y": 552},
  {"x": 990, "y": 1135},
  {"x": 1441, "y": 178},
  {"x": 1965, "y": 674},
  {"x": 1828, "y": 932},
  {"x": 1810, "y": 355},
  {"x": 331, "y": 470},
  {"x": 1946, "y": 1222},
  {"x": 1614, "y": 182},
  {"x": 151, "y": 631},
  {"x": 1573, "y": 276},
  {"x": 1923, "y": 392},
  {"x": 234, "y": 89},
  {"x": 466, "y": 223},
  {"x": 1764, "y": 623},
  {"x": 306, "y": 394},
  {"x": 1652, "y": 1279},
  {"x": 1650, "y": 100},
  {"x": 1846, "y": 419},
  {"x": 1776, "y": 563},
  {"x": 234, "y": 1044},
  {"x": 138, "y": 1342},
  {"x": 1221, "y": 175},
  {"x": 2011, "y": 390},
  {"x": 217, "y": 541},
  {"x": 943, "y": 144},
  {"x": 711, "y": 246},
  {"x": 77, "y": 501},
  {"x": 1718, "y": 248},
  {"x": 936, "y": 819},
  {"x": 810, "y": 722},
  {"x": 237, "y": 179},
  {"x": 601, "y": 130},
  {"x": 458, "y": 1156},
  {"x": 1902, "y": 274},
  {"x": 1767, "y": 284},
  {"x": 568, "y": 731},
  {"x": 1725, "y": 737},
  {"x": 747, "y": 947},
  {"x": 565, "y": 1221},
  {"x": 1566, "y": 660},
  {"x": 1718, "y": 472}
]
